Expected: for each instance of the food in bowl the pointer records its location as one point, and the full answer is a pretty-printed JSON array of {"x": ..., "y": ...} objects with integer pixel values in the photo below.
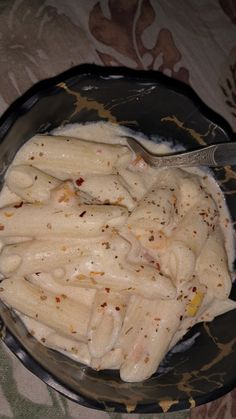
[{"x": 106, "y": 259}]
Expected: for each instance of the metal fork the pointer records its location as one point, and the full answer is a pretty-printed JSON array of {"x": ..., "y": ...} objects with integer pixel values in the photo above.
[{"x": 213, "y": 155}]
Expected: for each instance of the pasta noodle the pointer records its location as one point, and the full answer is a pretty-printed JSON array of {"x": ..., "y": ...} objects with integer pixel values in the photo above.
[
  {"x": 56, "y": 311},
  {"x": 108, "y": 260}
]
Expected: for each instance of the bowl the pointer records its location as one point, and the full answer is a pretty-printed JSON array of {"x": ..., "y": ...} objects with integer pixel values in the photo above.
[{"x": 155, "y": 105}]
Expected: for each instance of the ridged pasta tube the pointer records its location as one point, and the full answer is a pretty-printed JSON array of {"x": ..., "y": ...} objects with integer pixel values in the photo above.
[
  {"x": 107, "y": 266},
  {"x": 188, "y": 239},
  {"x": 148, "y": 329},
  {"x": 106, "y": 321},
  {"x": 46, "y": 220},
  {"x": 61, "y": 314},
  {"x": 65, "y": 157},
  {"x": 31, "y": 184},
  {"x": 43, "y": 255},
  {"x": 212, "y": 266}
]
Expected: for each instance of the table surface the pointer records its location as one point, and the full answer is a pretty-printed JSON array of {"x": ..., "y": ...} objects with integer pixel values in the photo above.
[{"x": 194, "y": 42}]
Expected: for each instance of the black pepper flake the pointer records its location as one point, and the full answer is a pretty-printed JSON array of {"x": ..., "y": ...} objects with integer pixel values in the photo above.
[
  {"x": 18, "y": 205},
  {"x": 82, "y": 213},
  {"x": 151, "y": 238}
]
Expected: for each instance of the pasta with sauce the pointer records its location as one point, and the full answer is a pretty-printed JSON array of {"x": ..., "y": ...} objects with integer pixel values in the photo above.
[{"x": 106, "y": 259}]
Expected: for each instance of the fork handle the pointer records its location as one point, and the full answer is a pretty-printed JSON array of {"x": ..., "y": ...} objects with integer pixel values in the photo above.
[{"x": 213, "y": 155}]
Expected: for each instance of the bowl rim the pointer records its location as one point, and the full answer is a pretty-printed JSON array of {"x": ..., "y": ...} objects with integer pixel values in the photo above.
[
  {"x": 29, "y": 98},
  {"x": 21, "y": 106}
]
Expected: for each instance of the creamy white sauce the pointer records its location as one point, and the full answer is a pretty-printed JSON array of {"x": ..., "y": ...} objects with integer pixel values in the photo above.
[{"x": 113, "y": 134}]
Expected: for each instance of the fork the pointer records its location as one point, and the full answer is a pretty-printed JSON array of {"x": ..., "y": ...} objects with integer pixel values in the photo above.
[{"x": 214, "y": 155}]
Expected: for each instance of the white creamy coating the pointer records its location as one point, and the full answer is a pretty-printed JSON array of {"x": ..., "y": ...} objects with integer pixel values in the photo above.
[
  {"x": 137, "y": 364},
  {"x": 109, "y": 133}
]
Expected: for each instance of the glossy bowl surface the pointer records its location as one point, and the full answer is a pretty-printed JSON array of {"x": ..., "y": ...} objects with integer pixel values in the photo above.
[{"x": 155, "y": 105}]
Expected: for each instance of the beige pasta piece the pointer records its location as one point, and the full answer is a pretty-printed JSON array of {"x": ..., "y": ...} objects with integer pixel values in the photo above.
[
  {"x": 106, "y": 321},
  {"x": 46, "y": 220},
  {"x": 178, "y": 258},
  {"x": 64, "y": 315},
  {"x": 189, "y": 190},
  {"x": 69, "y": 347},
  {"x": 43, "y": 255},
  {"x": 146, "y": 334},
  {"x": 65, "y": 157},
  {"x": 108, "y": 266},
  {"x": 154, "y": 211},
  {"x": 31, "y": 184},
  {"x": 109, "y": 189},
  {"x": 148, "y": 329},
  {"x": 136, "y": 183},
  {"x": 212, "y": 266},
  {"x": 111, "y": 360},
  {"x": 48, "y": 337},
  {"x": 7, "y": 197},
  {"x": 48, "y": 283}
]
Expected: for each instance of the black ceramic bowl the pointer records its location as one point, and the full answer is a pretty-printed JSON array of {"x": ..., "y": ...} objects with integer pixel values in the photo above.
[{"x": 154, "y": 105}]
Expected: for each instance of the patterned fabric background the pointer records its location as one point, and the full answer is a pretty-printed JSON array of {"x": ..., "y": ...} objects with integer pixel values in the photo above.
[{"x": 193, "y": 41}]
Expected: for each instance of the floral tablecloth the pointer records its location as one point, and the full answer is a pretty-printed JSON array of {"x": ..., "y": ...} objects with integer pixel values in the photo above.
[{"x": 193, "y": 41}]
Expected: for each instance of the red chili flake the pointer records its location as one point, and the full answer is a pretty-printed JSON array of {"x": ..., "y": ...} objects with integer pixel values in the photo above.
[
  {"x": 104, "y": 304},
  {"x": 18, "y": 205},
  {"x": 79, "y": 181},
  {"x": 82, "y": 213},
  {"x": 194, "y": 289},
  {"x": 117, "y": 308},
  {"x": 107, "y": 289},
  {"x": 58, "y": 300},
  {"x": 2, "y": 227}
]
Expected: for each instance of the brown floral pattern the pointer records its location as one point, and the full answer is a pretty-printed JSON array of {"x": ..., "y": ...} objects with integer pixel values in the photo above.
[
  {"x": 25, "y": 28},
  {"x": 124, "y": 33}
]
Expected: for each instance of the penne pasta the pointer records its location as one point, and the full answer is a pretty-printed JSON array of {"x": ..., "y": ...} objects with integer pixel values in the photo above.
[
  {"x": 148, "y": 329},
  {"x": 109, "y": 189},
  {"x": 48, "y": 283},
  {"x": 46, "y": 220},
  {"x": 212, "y": 266},
  {"x": 43, "y": 256},
  {"x": 61, "y": 314},
  {"x": 65, "y": 157},
  {"x": 188, "y": 239},
  {"x": 106, "y": 321},
  {"x": 108, "y": 266},
  {"x": 110, "y": 361},
  {"x": 48, "y": 337},
  {"x": 106, "y": 259},
  {"x": 30, "y": 184}
]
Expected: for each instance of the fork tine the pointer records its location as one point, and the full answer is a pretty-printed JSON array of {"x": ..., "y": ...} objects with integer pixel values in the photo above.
[{"x": 138, "y": 149}]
